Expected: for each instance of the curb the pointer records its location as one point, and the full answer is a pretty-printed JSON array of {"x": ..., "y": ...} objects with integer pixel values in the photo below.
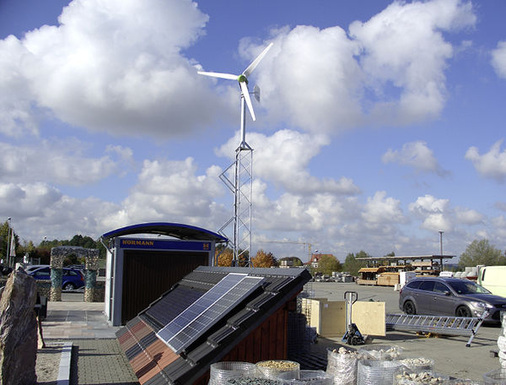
[{"x": 65, "y": 359}]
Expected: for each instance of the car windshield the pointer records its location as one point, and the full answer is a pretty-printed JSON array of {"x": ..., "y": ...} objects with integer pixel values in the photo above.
[{"x": 468, "y": 287}]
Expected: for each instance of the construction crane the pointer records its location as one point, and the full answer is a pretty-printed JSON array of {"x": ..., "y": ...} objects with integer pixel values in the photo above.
[{"x": 309, "y": 245}]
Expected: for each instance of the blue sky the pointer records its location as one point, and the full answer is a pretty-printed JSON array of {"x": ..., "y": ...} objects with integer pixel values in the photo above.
[{"x": 381, "y": 123}]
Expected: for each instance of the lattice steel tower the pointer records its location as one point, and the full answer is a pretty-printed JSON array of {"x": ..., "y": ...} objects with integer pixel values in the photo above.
[{"x": 238, "y": 177}]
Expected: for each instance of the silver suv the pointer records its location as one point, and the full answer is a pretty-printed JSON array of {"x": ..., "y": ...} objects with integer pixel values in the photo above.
[{"x": 449, "y": 296}]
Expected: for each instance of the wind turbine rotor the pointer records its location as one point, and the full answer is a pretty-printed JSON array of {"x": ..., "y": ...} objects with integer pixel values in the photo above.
[
  {"x": 243, "y": 79},
  {"x": 218, "y": 75},
  {"x": 247, "y": 98},
  {"x": 255, "y": 62}
]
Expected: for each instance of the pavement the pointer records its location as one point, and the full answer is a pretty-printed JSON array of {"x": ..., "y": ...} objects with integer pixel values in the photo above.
[
  {"x": 91, "y": 354},
  {"x": 96, "y": 358}
]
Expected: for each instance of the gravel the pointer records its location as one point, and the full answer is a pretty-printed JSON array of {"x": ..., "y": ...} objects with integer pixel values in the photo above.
[{"x": 48, "y": 363}]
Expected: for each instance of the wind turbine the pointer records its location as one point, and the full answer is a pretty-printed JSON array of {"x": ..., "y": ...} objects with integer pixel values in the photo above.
[
  {"x": 245, "y": 94},
  {"x": 241, "y": 183}
]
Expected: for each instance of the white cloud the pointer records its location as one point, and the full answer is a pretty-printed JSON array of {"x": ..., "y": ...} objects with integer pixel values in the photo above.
[
  {"x": 61, "y": 162},
  {"x": 499, "y": 59},
  {"x": 39, "y": 210},
  {"x": 381, "y": 210},
  {"x": 416, "y": 155},
  {"x": 491, "y": 164},
  {"x": 113, "y": 67},
  {"x": 173, "y": 191},
  {"x": 404, "y": 48},
  {"x": 15, "y": 115},
  {"x": 311, "y": 79},
  {"x": 283, "y": 159},
  {"x": 469, "y": 217},
  {"x": 387, "y": 70},
  {"x": 435, "y": 213}
]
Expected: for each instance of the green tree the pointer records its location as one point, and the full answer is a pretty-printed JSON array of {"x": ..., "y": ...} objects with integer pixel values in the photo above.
[
  {"x": 327, "y": 264},
  {"x": 481, "y": 253},
  {"x": 6, "y": 233},
  {"x": 352, "y": 263}
]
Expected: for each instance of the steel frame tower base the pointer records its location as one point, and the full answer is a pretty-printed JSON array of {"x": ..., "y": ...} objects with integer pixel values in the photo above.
[{"x": 238, "y": 177}]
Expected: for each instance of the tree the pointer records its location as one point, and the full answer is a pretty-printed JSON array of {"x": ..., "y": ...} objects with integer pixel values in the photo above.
[
  {"x": 225, "y": 256},
  {"x": 263, "y": 259},
  {"x": 481, "y": 253},
  {"x": 327, "y": 264},
  {"x": 352, "y": 263},
  {"x": 243, "y": 258}
]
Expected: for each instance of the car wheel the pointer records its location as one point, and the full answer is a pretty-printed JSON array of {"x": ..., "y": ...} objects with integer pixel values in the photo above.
[
  {"x": 68, "y": 286},
  {"x": 409, "y": 307},
  {"x": 463, "y": 311}
]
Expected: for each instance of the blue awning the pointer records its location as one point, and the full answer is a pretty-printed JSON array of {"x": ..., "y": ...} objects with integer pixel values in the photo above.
[{"x": 176, "y": 230}]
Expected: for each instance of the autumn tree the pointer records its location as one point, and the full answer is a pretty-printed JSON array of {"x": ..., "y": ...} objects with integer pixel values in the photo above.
[
  {"x": 263, "y": 259},
  {"x": 481, "y": 253},
  {"x": 224, "y": 256}
]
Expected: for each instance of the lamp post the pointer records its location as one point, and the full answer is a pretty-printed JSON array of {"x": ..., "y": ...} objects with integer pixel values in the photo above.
[
  {"x": 441, "y": 247},
  {"x": 8, "y": 251}
]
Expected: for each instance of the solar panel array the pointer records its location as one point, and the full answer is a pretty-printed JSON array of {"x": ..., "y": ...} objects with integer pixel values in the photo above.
[{"x": 205, "y": 311}]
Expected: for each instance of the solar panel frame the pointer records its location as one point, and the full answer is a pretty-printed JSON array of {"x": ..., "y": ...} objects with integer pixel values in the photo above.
[{"x": 208, "y": 309}]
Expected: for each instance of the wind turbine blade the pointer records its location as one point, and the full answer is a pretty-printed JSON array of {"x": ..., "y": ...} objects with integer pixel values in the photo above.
[
  {"x": 247, "y": 99},
  {"x": 255, "y": 62},
  {"x": 218, "y": 75}
]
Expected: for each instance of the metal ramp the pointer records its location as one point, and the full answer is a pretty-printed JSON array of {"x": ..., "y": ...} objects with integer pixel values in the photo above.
[{"x": 459, "y": 326}]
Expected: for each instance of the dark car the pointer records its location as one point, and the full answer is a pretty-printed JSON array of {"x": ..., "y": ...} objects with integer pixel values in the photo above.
[
  {"x": 71, "y": 278},
  {"x": 449, "y": 296}
]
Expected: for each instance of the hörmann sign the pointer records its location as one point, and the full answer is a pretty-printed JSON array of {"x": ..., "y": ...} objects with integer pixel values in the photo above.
[{"x": 139, "y": 243}]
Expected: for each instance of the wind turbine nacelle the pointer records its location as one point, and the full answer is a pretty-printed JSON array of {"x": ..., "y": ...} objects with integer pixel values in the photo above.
[
  {"x": 256, "y": 93},
  {"x": 242, "y": 79}
]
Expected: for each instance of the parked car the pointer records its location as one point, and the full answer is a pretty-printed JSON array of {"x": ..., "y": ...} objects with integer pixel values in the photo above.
[
  {"x": 31, "y": 268},
  {"x": 71, "y": 278},
  {"x": 449, "y": 296}
]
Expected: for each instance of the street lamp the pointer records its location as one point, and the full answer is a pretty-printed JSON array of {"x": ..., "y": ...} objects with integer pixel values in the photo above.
[
  {"x": 441, "y": 247},
  {"x": 7, "y": 253}
]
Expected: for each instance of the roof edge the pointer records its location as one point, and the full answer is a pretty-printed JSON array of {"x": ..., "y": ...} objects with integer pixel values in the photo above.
[{"x": 176, "y": 230}]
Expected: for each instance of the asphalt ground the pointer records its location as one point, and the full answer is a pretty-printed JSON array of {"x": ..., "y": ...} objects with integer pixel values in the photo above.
[
  {"x": 98, "y": 360},
  {"x": 450, "y": 354}
]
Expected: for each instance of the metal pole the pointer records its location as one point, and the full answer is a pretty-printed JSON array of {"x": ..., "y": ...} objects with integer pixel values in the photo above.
[
  {"x": 441, "y": 247},
  {"x": 7, "y": 254}
]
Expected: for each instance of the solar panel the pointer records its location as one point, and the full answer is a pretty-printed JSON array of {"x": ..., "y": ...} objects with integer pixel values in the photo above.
[{"x": 205, "y": 311}]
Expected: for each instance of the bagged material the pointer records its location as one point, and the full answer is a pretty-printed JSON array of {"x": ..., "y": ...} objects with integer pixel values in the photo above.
[
  {"x": 273, "y": 368},
  {"x": 495, "y": 377},
  {"x": 375, "y": 372},
  {"x": 342, "y": 366},
  {"x": 418, "y": 364},
  {"x": 221, "y": 372},
  {"x": 312, "y": 377},
  {"x": 381, "y": 352},
  {"x": 404, "y": 376},
  {"x": 252, "y": 381}
]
